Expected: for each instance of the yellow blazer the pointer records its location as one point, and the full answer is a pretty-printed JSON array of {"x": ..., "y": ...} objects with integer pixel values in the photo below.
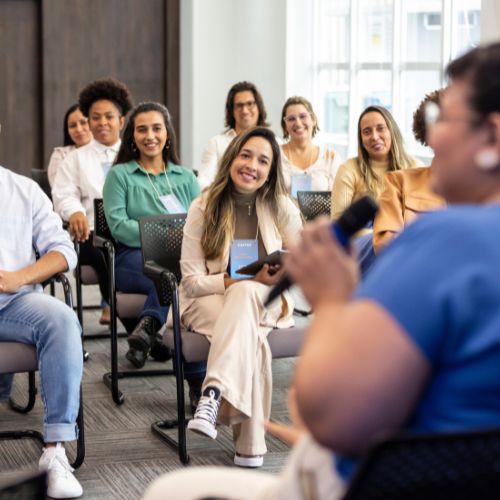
[{"x": 407, "y": 194}]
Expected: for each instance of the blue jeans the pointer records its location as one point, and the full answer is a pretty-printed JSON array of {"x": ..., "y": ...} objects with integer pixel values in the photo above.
[
  {"x": 363, "y": 246},
  {"x": 50, "y": 325},
  {"x": 131, "y": 279}
]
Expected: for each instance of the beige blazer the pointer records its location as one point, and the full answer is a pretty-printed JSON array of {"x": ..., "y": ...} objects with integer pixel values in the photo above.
[
  {"x": 202, "y": 277},
  {"x": 407, "y": 195}
]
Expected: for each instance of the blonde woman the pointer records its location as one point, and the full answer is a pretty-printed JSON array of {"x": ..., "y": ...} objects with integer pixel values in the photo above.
[
  {"x": 247, "y": 202},
  {"x": 306, "y": 166},
  {"x": 380, "y": 150}
]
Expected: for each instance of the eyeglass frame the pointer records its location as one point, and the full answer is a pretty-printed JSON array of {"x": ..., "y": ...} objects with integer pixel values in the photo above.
[{"x": 238, "y": 106}]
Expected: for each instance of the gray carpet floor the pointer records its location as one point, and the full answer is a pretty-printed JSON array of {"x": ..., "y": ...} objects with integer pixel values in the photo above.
[{"x": 122, "y": 454}]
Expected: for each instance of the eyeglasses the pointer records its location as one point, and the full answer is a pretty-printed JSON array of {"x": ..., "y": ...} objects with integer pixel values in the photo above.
[
  {"x": 433, "y": 115},
  {"x": 294, "y": 118},
  {"x": 240, "y": 105}
]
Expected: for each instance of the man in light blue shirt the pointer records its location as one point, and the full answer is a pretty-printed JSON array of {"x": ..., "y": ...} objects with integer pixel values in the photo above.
[{"x": 29, "y": 226}]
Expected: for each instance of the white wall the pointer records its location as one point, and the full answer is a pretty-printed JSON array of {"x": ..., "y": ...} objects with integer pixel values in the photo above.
[
  {"x": 223, "y": 42},
  {"x": 490, "y": 21}
]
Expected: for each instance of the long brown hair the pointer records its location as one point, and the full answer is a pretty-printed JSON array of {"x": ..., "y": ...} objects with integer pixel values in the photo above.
[
  {"x": 219, "y": 218},
  {"x": 398, "y": 158}
]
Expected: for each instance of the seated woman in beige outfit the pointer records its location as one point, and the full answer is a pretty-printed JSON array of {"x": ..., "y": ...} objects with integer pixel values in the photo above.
[
  {"x": 407, "y": 193},
  {"x": 247, "y": 201},
  {"x": 380, "y": 150}
]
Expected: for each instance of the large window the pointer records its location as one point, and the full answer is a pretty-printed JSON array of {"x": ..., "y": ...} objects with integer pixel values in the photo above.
[{"x": 386, "y": 52}]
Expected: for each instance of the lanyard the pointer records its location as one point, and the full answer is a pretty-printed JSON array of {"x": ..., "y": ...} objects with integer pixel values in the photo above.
[{"x": 152, "y": 184}]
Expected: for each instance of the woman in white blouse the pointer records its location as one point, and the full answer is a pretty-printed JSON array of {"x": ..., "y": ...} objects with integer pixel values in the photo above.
[
  {"x": 76, "y": 133},
  {"x": 306, "y": 166}
]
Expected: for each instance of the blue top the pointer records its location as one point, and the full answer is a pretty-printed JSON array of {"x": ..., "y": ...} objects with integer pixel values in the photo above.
[
  {"x": 440, "y": 279},
  {"x": 28, "y": 222}
]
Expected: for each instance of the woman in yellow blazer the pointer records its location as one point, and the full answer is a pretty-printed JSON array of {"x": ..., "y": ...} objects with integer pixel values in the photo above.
[
  {"x": 407, "y": 193},
  {"x": 246, "y": 204}
]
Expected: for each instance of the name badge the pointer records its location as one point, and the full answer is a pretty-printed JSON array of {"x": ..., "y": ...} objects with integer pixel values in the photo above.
[
  {"x": 172, "y": 204},
  {"x": 301, "y": 182},
  {"x": 242, "y": 252},
  {"x": 106, "y": 165}
]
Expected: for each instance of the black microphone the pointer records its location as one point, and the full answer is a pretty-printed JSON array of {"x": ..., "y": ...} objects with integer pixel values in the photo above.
[{"x": 354, "y": 218}]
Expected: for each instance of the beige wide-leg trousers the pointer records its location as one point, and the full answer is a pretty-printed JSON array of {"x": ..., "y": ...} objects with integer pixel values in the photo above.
[{"x": 239, "y": 361}]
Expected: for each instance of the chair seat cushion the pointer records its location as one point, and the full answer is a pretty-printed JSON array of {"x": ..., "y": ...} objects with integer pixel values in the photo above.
[
  {"x": 89, "y": 275},
  {"x": 284, "y": 343},
  {"x": 16, "y": 357}
]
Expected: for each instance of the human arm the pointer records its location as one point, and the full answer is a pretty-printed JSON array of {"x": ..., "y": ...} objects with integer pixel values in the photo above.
[
  {"x": 358, "y": 372},
  {"x": 389, "y": 220},
  {"x": 344, "y": 188},
  {"x": 209, "y": 164},
  {"x": 67, "y": 197},
  {"x": 56, "y": 158},
  {"x": 114, "y": 195}
]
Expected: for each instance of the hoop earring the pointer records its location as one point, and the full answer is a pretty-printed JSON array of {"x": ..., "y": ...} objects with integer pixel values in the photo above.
[
  {"x": 167, "y": 145},
  {"x": 487, "y": 159}
]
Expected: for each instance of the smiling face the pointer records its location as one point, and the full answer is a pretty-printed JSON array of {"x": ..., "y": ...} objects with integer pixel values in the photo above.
[
  {"x": 150, "y": 134},
  {"x": 250, "y": 169},
  {"x": 78, "y": 128},
  {"x": 298, "y": 122},
  {"x": 376, "y": 136},
  {"x": 245, "y": 111},
  {"x": 105, "y": 122}
]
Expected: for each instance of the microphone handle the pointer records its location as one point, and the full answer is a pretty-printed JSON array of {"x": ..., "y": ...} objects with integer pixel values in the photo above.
[{"x": 286, "y": 282}]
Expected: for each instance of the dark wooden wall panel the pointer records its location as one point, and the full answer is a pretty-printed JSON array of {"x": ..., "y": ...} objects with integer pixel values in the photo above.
[
  {"x": 20, "y": 106},
  {"x": 55, "y": 47}
]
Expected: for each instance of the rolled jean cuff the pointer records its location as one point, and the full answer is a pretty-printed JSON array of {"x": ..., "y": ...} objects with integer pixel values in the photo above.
[{"x": 59, "y": 433}]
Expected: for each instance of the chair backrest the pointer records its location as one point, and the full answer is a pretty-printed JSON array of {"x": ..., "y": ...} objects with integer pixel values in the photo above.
[
  {"x": 161, "y": 240},
  {"x": 101, "y": 228},
  {"x": 438, "y": 466},
  {"x": 314, "y": 203},
  {"x": 41, "y": 177}
]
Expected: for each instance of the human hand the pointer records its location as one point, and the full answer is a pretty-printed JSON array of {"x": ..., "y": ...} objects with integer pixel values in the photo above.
[
  {"x": 270, "y": 274},
  {"x": 11, "y": 281},
  {"x": 320, "y": 266},
  {"x": 79, "y": 226},
  {"x": 290, "y": 434}
]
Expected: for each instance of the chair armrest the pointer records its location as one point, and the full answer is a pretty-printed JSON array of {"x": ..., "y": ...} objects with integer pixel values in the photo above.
[{"x": 164, "y": 280}]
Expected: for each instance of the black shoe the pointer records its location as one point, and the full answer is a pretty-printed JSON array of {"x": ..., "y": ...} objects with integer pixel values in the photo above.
[
  {"x": 141, "y": 339},
  {"x": 159, "y": 351},
  {"x": 194, "y": 393},
  {"x": 144, "y": 334},
  {"x": 136, "y": 357}
]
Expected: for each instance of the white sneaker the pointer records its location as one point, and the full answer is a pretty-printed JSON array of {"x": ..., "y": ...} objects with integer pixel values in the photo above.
[
  {"x": 205, "y": 416},
  {"x": 250, "y": 462},
  {"x": 61, "y": 482}
]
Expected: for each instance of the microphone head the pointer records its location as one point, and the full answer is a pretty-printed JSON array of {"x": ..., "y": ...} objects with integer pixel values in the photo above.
[{"x": 357, "y": 215}]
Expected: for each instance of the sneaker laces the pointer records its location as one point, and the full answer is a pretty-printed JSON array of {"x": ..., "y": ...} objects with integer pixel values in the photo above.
[
  {"x": 59, "y": 465},
  {"x": 208, "y": 408}
]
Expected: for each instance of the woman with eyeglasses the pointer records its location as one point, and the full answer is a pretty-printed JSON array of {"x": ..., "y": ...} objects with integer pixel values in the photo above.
[
  {"x": 306, "y": 166},
  {"x": 415, "y": 348},
  {"x": 380, "y": 150},
  {"x": 76, "y": 134}
]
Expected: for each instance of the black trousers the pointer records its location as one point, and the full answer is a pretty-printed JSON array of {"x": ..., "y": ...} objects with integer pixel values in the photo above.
[{"x": 91, "y": 256}]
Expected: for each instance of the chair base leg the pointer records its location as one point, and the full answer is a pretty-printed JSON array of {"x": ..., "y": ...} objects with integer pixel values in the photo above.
[
  {"x": 179, "y": 445},
  {"x": 32, "y": 391},
  {"x": 112, "y": 384},
  {"x": 26, "y": 434}
]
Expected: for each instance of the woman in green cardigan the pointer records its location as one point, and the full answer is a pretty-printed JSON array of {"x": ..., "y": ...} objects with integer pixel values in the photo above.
[{"x": 145, "y": 180}]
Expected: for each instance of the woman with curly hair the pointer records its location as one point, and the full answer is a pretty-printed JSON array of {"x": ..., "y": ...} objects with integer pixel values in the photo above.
[
  {"x": 80, "y": 178},
  {"x": 146, "y": 180},
  {"x": 247, "y": 208},
  {"x": 407, "y": 193}
]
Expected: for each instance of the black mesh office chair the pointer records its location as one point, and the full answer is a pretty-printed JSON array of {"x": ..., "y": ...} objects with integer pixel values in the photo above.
[
  {"x": 41, "y": 177},
  {"x": 314, "y": 203},
  {"x": 16, "y": 357},
  {"x": 126, "y": 306},
  {"x": 454, "y": 466},
  {"x": 161, "y": 241}
]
